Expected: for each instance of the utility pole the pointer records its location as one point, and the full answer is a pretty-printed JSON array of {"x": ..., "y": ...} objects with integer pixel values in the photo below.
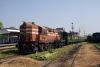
[
  {"x": 84, "y": 33},
  {"x": 2, "y": 36},
  {"x": 72, "y": 26},
  {"x": 79, "y": 34},
  {"x": 79, "y": 30}
]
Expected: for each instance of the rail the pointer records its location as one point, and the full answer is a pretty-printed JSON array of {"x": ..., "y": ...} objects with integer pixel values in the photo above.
[
  {"x": 97, "y": 46},
  {"x": 75, "y": 57},
  {"x": 7, "y": 46},
  {"x": 69, "y": 55}
]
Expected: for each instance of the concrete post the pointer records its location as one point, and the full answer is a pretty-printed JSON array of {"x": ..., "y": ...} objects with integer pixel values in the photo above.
[{"x": 8, "y": 38}]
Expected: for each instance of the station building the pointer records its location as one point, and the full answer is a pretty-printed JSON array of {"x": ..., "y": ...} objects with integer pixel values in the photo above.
[{"x": 8, "y": 35}]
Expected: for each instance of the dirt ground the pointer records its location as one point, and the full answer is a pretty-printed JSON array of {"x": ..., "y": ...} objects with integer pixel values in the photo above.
[
  {"x": 21, "y": 62},
  {"x": 88, "y": 56},
  {"x": 61, "y": 60}
]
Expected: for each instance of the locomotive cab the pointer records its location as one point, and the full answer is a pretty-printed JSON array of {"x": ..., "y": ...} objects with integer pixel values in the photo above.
[
  {"x": 64, "y": 37},
  {"x": 28, "y": 37}
]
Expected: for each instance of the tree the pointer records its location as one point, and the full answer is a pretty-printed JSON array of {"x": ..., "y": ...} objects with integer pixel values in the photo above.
[
  {"x": 1, "y": 25},
  {"x": 12, "y": 27}
]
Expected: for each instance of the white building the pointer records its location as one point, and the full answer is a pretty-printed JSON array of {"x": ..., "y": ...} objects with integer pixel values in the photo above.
[{"x": 11, "y": 35}]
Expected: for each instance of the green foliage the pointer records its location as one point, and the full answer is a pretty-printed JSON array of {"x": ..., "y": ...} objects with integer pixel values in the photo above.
[
  {"x": 8, "y": 53},
  {"x": 98, "y": 46},
  {"x": 39, "y": 54},
  {"x": 12, "y": 27},
  {"x": 59, "y": 51},
  {"x": 1, "y": 25},
  {"x": 51, "y": 50},
  {"x": 13, "y": 52}
]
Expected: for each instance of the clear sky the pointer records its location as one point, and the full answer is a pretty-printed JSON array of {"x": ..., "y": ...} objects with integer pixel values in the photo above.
[{"x": 52, "y": 13}]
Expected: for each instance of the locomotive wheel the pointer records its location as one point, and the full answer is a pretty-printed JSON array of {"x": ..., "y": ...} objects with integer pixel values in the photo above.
[
  {"x": 20, "y": 50},
  {"x": 61, "y": 44},
  {"x": 46, "y": 46},
  {"x": 41, "y": 48},
  {"x": 55, "y": 45},
  {"x": 32, "y": 48},
  {"x": 49, "y": 46},
  {"x": 52, "y": 45}
]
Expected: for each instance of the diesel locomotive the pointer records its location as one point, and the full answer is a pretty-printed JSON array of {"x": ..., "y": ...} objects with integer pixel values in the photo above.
[{"x": 34, "y": 37}]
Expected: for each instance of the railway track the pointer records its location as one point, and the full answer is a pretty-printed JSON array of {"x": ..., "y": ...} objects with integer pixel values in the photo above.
[
  {"x": 74, "y": 58},
  {"x": 9, "y": 58},
  {"x": 97, "y": 46},
  {"x": 7, "y": 46},
  {"x": 60, "y": 61}
]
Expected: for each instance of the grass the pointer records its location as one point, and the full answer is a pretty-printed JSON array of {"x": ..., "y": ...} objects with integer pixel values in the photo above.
[
  {"x": 8, "y": 53},
  {"x": 97, "y": 46},
  {"x": 39, "y": 54},
  {"x": 51, "y": 50},
  {"x": 64, "y": 49},
  {"x": 87, "y": 43},
  {"x": 59, "y": 51}
]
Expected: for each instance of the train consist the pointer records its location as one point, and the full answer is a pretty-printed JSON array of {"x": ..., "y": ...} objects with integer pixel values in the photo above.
[
  {"x": 95, "y": 38},
  {"x": 89, "y": 38},
  {"x": 34, "y": 37}
]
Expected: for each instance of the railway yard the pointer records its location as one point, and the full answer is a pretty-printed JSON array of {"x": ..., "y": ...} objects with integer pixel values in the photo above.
[
  {"x": 73, "y": 55},
  {"x": 86, "y": 56},
  {"x": 50, "y": 33}
]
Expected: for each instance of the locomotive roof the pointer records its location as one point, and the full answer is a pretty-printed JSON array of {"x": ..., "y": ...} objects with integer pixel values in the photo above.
[{"x": 29, "y": 24}]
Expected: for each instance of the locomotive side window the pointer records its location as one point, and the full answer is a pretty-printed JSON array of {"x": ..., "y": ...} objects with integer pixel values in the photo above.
[
  {"x": 44, "y": 31},
  {"x": 40, "y": 30}
]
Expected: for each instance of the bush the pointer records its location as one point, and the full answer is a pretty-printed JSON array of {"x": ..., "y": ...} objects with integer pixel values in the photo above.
[{"x": 51, "y": 50}]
